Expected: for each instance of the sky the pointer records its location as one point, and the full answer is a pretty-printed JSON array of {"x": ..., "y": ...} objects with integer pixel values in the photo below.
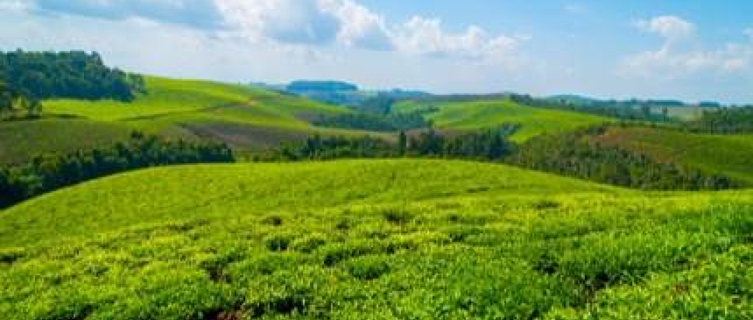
[{"x": 664, "y": 49}]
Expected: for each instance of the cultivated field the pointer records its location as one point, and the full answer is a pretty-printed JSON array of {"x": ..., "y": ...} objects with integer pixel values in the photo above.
[{"x": 381, "y": 239}]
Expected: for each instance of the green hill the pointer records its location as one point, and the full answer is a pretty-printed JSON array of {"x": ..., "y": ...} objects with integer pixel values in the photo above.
[
  {"x": 244, "y": 117},
  {"x": 469, "y": 115},
  {"x": 731, "y": 155},
  {"x": 23, "y": 140},
  {"x": 386, "y": 239}
]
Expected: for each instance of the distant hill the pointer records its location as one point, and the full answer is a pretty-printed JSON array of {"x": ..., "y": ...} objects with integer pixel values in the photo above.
[
  {"x": 477, "y": 114},
  {"x": 246, "y": 118}
]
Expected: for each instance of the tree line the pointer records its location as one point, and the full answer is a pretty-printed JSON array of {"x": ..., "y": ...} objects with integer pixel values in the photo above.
[
  {"x": 569, "y": 154},
  {"x": 50, "y": 172},
  {"x": 490, "y": 144},
  {"x": 630, "y": 110},
  {"x": 375, "y": 121},
  {"x": 737, "y": 120},
  {"x": 572, "y": 154}
]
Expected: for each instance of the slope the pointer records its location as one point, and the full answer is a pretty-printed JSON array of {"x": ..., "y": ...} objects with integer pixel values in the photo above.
[
  {"x": 731, "y": 155},
  {"x": 242, "y": 116},
  {"x": 372, "y": 240},
  {"x": 490, "y": 113}
]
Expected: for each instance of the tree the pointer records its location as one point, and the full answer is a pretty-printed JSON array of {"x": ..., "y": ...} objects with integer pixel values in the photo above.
[
  {"x": 402, "y": 143},
  {"x": 32, "y": 107}
]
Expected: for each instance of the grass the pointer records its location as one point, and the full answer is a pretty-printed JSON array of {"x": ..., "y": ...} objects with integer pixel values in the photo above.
[
  {"x": 383, "y": 239},
  {"x": 186, "y": 109},
  {"x": 22, "y": 140},
  {"x": 171, "y": 100},
  {"x": 731, "y": 155},
  {"x": 485, "y": 114}
]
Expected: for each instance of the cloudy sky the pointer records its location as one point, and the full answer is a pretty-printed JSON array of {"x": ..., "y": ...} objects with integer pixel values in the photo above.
[{"x": 687, "y": 49}]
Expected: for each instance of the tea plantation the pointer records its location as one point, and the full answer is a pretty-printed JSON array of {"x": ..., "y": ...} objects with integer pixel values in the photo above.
[{"x": 379, "y": 239}]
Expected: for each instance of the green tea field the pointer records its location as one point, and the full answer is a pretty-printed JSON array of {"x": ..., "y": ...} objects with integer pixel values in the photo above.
[{"x": 378, "y": 239}]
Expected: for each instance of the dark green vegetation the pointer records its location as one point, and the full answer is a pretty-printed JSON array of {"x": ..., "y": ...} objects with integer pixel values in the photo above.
[
  {"x": 373, "y": 240},
  {"x": 485, "y": 145},
  {"x": 75, "y": 74},
  {"x": 375, "y": 122},
  {"x": 577, "y": 155},
  {"x": 47, "y": 173},
  {"x": 724, "y": 121}
]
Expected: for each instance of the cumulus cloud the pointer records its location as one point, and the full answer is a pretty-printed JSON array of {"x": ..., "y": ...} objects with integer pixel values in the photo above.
[
  {"x": 670, "y": 63},
  {"x": 671, "y": 28},
  {"x": 314, "y": 23},
  {"x": 426, "y": 36},
  {"x": 287, "y": 21}
]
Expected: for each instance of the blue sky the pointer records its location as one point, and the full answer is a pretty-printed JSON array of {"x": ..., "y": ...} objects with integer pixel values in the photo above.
[{"x": 692, "y": 50}]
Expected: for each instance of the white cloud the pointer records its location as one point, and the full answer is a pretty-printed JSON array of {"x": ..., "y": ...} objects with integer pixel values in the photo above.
[
  {"x": 359, "y": 27},
  {"x": 749, "y": 32},
  {"x": 350, "y": 24},
  {"x": 313, "y": 24},
  {"x": 671, "y": 28},
  {"x": 426, "y": 36},
  {"x": 671, "y": 63}
]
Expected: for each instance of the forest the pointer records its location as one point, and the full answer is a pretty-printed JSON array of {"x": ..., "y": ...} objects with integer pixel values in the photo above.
[
  {"x": 375, "y": 121},
  {"x": 49, "y": 172},
  {"x": 74, "y": 74}
]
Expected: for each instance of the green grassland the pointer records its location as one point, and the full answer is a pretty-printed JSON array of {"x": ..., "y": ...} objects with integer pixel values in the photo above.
[
  {"x": 731, "y": 155},
  {"x": 381, "y": 239},
  {"x": 246, "y": 118},
  {"x": 22, "y": 140},
  {"x": 480, "y": 114}
]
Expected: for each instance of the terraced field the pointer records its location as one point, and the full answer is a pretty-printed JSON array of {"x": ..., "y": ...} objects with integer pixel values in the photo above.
[
  {"x": 731, "y": 155},
  {"x": 490, "y": 113},
  {"x": 385, "y": 239}
]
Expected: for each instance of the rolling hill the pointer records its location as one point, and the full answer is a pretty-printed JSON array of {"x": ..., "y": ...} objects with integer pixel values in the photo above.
[
  {"x": 731, "y": 155},
  {"x": 246, "y": 118},
  {"x": 477, "y": 114},
  {"x": 385, "y": 239}
]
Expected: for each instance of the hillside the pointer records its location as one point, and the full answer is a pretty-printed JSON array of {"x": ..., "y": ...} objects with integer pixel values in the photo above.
[
  {"x": 244, "y": 117},
  {"x": 469, "y": 115},
  {"x": 385, "y": 239},
  {"x": 25, "y": 139},
  {"x": 731, "y": 155}
]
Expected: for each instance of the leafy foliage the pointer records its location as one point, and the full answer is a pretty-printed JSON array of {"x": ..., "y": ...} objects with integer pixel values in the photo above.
[
  {"x": 421, "y": 242},
  {"x": 375, "y": 122},
  {"x": 489, "y": 145},
  {"x": 47, "y": 173},
  {"x": 75, "y": 74}
]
